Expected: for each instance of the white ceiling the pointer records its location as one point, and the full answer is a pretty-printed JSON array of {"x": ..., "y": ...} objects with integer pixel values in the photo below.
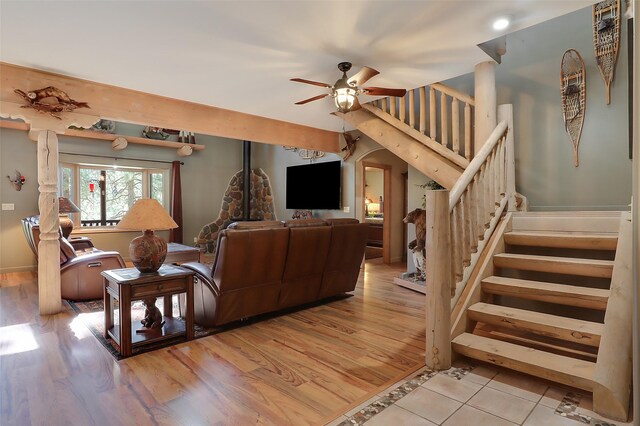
[{"x": 240, "y": 54}]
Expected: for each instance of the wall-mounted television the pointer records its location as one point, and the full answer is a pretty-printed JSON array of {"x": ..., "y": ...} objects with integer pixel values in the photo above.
[{"x": 314, "y": 186}]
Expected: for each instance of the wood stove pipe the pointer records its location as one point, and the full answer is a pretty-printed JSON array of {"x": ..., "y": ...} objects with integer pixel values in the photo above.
[{"x": 246, "y": 180}]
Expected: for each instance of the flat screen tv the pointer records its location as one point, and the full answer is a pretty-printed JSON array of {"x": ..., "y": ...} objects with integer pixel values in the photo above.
[{"x": 314, "y": 186}]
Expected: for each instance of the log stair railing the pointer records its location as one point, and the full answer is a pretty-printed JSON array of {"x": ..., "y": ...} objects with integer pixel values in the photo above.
[
  {"x": 444, "y": 119},
  {"x": 431, "y": 128},
  {"x": 459, "y": 223}
]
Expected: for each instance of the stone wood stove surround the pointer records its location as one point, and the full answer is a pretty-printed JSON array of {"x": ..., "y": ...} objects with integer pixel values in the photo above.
[{"x": 261, "y": 206}]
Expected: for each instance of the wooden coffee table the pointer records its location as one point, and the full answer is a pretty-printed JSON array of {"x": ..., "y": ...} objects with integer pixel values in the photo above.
[{"x": 127, "y": 285}]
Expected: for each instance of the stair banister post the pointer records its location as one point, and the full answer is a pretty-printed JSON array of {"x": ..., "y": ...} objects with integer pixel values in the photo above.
[
  {"x": 438, "y": 267},
  {"x": 485, "y": 98},
  {"x": 505, "y": 113}
]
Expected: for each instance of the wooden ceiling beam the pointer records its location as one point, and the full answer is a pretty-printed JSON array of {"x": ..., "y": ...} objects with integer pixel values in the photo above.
[{"x": 131, "y": 106}]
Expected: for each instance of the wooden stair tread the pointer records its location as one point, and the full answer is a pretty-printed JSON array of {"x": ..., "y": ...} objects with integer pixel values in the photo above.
[
  {"x": 575, "y": 240},
  {"x": 563, "y": 328},
  {"x": 563, "y": 294},
  {"x": 558, "y": 368},
  {"x": 536, "y": 341},
  {"x": 554, "y": 264}
]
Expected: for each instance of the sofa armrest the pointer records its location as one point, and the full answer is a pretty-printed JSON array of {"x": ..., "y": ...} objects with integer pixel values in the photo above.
[
  {"x": 80, "y": 243},
  {"x": 97, "y": 260},
  {"x": 203, "y": 273}
]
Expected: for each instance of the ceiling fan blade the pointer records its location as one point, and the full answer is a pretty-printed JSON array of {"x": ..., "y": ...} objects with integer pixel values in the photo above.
[
  {"x": 315, "y": 98},
  {"x": 383, "y": 91},
  {"x": 362, "y": 76},
  {"x": 315, "y": 83}
]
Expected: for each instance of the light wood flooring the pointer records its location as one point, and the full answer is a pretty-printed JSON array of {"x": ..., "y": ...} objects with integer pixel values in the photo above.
[{"x": 306, "y": 367}]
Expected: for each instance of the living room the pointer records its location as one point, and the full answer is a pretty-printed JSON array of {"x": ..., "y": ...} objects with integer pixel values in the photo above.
[{"x": 545, "y": 175}]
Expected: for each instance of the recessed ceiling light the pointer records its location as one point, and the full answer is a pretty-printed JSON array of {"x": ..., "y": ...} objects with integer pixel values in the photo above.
[{"x": 501, "y": 23}]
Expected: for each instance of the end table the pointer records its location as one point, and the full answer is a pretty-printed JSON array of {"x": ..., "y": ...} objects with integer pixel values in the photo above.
[{"x": 129, "y": 284}]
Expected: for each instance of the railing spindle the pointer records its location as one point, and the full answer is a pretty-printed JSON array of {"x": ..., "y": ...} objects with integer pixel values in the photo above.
[
  {"x": 392, "y": 106},
  {"x": 423, "y": 109},
  {"x": 432, "y": 113},
  {"x": 455, "y": 125},
  {"x": 468, "y": 131},
  {"x": 412, "y": 109},
  {"x": 444, "y": 120},
  {"x": 383, "y": 105},
  {"x": 403, "y": 110},
  {"x": 466, "y": 240}
]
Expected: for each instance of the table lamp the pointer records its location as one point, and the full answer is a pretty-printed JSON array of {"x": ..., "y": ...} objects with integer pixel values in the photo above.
[
  {"x": 66, "y": 206},
  {"x": 147, "y": 251}
]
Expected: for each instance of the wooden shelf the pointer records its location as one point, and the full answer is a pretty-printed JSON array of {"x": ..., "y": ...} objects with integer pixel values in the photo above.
[{"x": 16, "y": 125}]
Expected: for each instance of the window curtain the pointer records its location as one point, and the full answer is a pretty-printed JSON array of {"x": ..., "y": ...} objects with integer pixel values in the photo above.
[{"x": 175, "y": 235}]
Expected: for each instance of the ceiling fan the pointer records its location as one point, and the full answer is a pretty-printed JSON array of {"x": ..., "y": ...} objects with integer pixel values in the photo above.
[{"x": 345, "y": 91}]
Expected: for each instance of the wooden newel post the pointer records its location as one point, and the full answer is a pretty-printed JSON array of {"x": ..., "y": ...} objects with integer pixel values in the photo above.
[
  {"x": 50, "y": 300},
  {"x": 438, "y": 286}
]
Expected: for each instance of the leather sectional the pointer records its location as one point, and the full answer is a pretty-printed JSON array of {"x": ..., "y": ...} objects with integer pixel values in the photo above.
[{"x": 267, "y": 266}]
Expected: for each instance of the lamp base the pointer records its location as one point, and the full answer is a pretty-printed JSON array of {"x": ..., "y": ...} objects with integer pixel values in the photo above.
[
  {"x": 66, "y": 224},
  {"x": 148, "y": 252}
]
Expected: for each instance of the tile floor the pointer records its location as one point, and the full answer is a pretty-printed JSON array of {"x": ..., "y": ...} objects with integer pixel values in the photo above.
[{"x": 479, "y": 395}]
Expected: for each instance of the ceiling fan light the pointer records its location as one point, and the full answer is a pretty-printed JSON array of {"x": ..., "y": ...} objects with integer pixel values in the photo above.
[{"x": 345, "y": 98}]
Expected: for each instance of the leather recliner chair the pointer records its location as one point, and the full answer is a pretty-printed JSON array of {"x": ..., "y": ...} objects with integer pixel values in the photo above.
[{"x": 80, "y": 263}]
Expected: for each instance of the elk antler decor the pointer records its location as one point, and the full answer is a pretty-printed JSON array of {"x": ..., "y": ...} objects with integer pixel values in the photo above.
[{"x": 35, "y": 99}]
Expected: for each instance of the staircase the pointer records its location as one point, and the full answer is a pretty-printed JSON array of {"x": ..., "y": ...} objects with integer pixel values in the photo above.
[
  {"x": 553, "y": 299},
  {"x": 430, "y": 128},
  {"x": 548, "y": 294}
]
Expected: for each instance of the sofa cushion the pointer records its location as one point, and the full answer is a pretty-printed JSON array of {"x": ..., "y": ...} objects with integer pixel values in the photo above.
[
  {"x": 308, "y": 248},
  {"x": 248, "y": 272}
]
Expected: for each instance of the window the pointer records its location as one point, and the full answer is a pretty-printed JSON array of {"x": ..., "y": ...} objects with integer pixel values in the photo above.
[{"x": 105, "y": 193}]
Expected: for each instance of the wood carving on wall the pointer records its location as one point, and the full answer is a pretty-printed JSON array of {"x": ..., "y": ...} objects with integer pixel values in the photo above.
[
  {"x": 41, "y": 101},
  {"x": 606, "y": 39},
  {"x": 573, "y": 85},
  {"x": 350, "y": 145}
]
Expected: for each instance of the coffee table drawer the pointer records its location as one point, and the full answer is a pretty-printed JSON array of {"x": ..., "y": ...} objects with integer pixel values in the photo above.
[{"x": 156, "y": 289}]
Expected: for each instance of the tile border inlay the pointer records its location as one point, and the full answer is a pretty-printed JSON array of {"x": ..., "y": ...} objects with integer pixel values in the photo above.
[{"x": 567, "y": 407}]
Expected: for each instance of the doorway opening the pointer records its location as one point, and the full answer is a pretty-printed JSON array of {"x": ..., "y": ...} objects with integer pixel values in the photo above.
[{"x": 376, "y": 209}]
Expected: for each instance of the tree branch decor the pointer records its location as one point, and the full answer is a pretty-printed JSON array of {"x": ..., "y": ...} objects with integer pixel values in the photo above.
[{"x": 42, "y": 100}]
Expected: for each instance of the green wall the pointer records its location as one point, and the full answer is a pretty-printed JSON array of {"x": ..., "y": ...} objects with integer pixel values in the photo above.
[
  {"x": 205, "y": 175},
  {"x": 528, "y": 78}
]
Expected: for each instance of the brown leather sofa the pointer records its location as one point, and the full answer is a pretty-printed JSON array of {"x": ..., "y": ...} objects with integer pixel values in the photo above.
[
  {"x": 80, "y": 262},
  {"x": 267, "y": 266}
]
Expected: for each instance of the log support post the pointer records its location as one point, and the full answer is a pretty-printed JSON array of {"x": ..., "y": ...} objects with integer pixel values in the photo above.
[
  {"x": 44, "y": 128},
  {"x": 49, "y": 299},
  {"x": 437, "y": 264},
  {"x": 485, "y": 96}
]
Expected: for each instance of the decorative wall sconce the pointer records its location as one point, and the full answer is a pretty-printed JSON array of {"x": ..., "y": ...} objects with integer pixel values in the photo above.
[{"x": 17, "y": 180}]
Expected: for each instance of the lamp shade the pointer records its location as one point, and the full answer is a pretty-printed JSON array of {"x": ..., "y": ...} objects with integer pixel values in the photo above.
[
  {"x": 65, "y": 205},
  {"x": 147, "y": 251},
  {"x": 146, "y": 213}
]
